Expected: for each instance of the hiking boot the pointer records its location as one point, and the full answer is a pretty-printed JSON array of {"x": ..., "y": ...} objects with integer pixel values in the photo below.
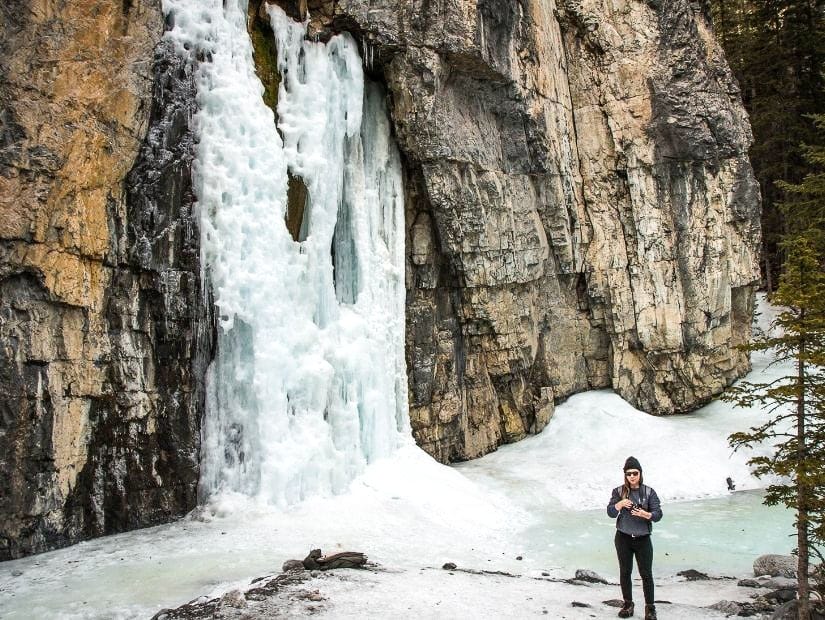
[
  {"x": 650, "y": 612},
  {"x": 627, "y": 610}
]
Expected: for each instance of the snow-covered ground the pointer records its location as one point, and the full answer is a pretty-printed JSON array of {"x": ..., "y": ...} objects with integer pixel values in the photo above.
[
  {"x": 411, "y": 516},
  {"x": 541, "y": 500},
  {"x": 440, "y": 594}
]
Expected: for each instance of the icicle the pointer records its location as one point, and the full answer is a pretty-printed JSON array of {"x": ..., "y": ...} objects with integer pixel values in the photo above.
[{"x": 369, "y": 54}]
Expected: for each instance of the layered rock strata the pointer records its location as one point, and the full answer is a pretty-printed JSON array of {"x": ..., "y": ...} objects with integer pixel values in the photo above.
[
  {"x": 581, "y": 209},
  {"x": 580, "y": 214},
  {"x": 100, "y": 300}
]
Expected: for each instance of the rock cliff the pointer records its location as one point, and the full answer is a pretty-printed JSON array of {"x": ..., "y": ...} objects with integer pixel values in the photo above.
[
  {"x": 581, "y": 213},
  {"x": 101, "y": 363}
]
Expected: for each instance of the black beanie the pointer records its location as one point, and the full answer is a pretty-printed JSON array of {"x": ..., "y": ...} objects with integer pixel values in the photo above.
[{"x": 632, "y": 463}]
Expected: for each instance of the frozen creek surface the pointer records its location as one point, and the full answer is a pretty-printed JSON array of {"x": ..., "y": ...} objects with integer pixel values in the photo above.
[
  {"x": 542, "y": 499},
  {"x": 408, "y": 513}
]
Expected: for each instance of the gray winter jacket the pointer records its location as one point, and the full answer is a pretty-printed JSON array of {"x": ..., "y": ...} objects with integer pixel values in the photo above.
[{"x": 635, "y": 526}]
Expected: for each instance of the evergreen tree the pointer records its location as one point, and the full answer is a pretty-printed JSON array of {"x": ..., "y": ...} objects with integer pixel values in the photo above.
[
  {"x": 796, "y": 402},
  {"x": 776, "y": 49},
  {"x": 805, "y": 208}
]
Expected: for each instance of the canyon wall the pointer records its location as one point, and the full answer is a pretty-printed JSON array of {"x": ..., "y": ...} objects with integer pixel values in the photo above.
[
  {"x": 104, "y": 336},
  {"x": 581, "y": 210},
  {"x": 581, "y": 214}
]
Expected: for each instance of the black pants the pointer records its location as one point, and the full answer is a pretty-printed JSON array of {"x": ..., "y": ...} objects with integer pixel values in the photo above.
[{"x": 626, "y": 547}]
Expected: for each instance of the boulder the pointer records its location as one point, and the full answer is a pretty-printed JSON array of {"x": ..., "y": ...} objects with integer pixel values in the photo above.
[
  {"x": 787, "y": 611},
  {"x": 233, "y": 598},
  {"x": 775, "y": 565},
  {"x": 774, "y": 583},
  {"x": 780, "y": 583},
  {"x": 783, "y": 595},
  {"x": 729, "y": 608}
]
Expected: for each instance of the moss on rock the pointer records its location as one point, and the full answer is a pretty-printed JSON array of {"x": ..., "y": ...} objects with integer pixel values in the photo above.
[{"x": 264, "y": 53}]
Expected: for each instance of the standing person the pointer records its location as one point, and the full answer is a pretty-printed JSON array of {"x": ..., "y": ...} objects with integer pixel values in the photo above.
[{"x": 637, "y": 506}]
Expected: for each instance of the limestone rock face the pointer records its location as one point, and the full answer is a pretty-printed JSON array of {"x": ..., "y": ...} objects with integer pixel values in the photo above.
[
  {"x": 581, "y": 214},
  {"x": 99, "y": 276},
  {"x": 581, "y": 209}
]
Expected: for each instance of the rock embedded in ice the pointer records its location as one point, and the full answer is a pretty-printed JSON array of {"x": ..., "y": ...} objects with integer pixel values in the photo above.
[
  {"x": 751, "y": 583},
  {"x": 343, "y": 559},
  {"x": 292, "y": 565},
  {"x": 693, "y": 575},
  {"x": 590, "y": 576}
]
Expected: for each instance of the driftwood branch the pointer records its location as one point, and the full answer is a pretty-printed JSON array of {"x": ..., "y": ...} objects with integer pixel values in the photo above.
[{"x": 345, "y": 559}]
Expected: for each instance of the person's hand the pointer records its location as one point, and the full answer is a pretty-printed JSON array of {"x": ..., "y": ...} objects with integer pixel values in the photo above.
[
  {"x": 638, "y": 512},
  {"x": 623, "y": 503}
]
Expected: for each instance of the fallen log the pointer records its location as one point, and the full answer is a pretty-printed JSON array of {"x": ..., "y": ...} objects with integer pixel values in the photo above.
[{"x": 344, "y": 559}]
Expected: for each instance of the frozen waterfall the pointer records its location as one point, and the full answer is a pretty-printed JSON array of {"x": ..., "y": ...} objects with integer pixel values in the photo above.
[{"x": 308, "y": 384}]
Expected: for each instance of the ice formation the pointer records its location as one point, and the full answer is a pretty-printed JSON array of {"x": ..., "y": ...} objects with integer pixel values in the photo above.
[{"x": 308, "y": 384}]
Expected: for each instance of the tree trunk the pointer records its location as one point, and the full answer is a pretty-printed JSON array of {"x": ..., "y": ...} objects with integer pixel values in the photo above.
[
  {"x": 802, "y": 565},
  {"x": 802, "y": 482}
]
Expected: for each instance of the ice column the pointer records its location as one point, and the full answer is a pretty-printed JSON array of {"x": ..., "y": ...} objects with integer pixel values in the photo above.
[{"x": 309, "y": 382}]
